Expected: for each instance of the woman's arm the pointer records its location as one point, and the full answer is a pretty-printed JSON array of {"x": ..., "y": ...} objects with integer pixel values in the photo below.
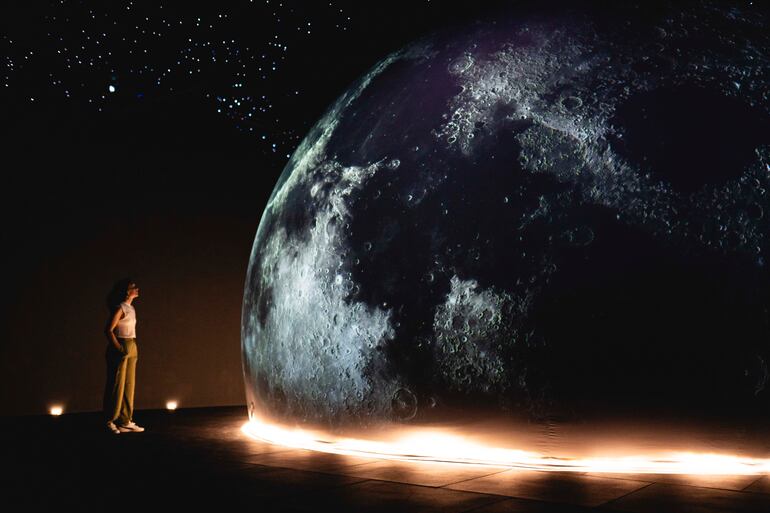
[{"x": 111, "y": 325}]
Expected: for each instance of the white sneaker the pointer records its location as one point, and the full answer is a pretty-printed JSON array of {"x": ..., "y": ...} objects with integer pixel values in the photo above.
[
  {"x": 113, "y": 428},
  {"x": 130, "y": 427}
]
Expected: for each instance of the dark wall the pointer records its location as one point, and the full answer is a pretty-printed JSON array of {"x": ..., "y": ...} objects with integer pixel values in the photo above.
[
  {"x": 168, "y": 194},
  {"x": 187, "y": 245}
]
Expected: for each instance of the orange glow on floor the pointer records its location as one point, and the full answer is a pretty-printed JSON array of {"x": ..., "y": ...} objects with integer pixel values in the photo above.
[{"x": 444, "y": 445}]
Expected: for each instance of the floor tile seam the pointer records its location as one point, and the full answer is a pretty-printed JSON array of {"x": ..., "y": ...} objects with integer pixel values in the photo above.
[
  {"x": 272, "y": 452},
  {"x": 330, "y": 471},
  {"x": 351, "y": 465},
  {"x": 554, "y": 503},
  {"x": 476, "y": 477},
  {"x": 758, "y": 479},
  {"x": 360, "y": 479},
  {"x": 316, "y": 490},
  {"x": 742, "y": 490},
  {"x": 320, "y": 489},
  {"x": 278, "y": 467},
  {"x": 302, "y": 493},
  {"x": 359, "y": 464},
  {"x": 558, "y": 503},
  {"x": 580, "y": 474},
  {"x": 436, "y": 487},
  {"x": 601, "y": 505},
  {"x": 344, "y": 485},
  {"x": 680, "y": 484}
]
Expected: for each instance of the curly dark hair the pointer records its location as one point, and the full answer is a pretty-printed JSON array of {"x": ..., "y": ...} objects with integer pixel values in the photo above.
[{"x": 118, "y": 293}]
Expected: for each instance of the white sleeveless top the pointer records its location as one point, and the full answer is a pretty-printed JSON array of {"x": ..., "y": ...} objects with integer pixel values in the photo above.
[{"x": 127, "y": 325}]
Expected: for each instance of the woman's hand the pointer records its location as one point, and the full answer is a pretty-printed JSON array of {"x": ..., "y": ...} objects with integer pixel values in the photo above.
[{"x": 110, "y": 330}]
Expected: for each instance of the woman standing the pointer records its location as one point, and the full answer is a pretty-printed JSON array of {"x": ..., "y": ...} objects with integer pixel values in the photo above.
[{"x": 121, "y": 359}]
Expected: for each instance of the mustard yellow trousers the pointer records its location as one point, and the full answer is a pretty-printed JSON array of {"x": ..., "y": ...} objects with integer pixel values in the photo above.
[{"x": 121, "y": 378}]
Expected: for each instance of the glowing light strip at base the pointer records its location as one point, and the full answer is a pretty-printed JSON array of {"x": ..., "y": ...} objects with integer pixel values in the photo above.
[{"x": 435, "y": 446}]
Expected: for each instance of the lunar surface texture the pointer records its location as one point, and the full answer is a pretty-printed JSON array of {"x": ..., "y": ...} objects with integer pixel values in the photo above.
[{"x": 537, "y": 213}]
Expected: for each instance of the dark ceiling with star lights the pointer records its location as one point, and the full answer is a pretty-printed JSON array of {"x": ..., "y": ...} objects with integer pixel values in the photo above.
[{"x": 118, "y": 112}]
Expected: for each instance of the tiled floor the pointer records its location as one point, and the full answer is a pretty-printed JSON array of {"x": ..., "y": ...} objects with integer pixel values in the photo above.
[{"x": 200, "y": 459}]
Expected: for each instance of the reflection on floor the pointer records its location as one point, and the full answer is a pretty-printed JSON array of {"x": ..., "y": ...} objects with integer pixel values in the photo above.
[{"x": 201, "y": 458}]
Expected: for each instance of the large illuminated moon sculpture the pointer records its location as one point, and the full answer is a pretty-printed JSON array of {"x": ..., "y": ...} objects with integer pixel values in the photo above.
[{"x": 536, "y": 216}]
